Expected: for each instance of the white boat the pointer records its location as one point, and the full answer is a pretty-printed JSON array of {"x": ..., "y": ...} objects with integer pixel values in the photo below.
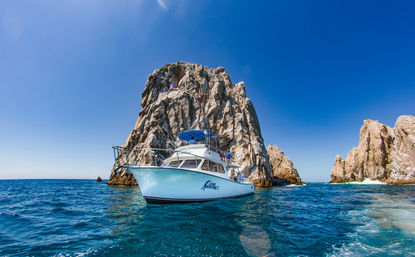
[{"x": 194, "y": 173}]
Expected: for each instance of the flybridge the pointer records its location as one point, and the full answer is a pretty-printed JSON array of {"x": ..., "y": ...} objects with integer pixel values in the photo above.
[
  {"x": 159, "y": 154},
  {"x": 195, "y": 136}
]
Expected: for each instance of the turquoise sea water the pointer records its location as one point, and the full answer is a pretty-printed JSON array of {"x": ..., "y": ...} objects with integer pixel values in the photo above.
[{"x": 83, "y": 217}]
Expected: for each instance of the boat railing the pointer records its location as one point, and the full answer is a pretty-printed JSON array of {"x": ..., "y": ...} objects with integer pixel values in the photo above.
[
  {"x": 122, "y": 154},
  {"x": 157, "y": 155},
  {"x": 215, "y": 149},
  {"x": 212, "y": 148}
]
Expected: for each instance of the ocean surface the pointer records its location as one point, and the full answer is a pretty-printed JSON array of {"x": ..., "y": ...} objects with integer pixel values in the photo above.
[{"x": 86, "y": 218}]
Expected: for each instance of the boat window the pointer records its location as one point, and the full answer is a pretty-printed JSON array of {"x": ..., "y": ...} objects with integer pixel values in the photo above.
[
  {"x": 212, "y": 166},
  {"x": 174, "y": 164},
  {"x": 191, "y": 164},
  {"x": 205, "y": 165}
]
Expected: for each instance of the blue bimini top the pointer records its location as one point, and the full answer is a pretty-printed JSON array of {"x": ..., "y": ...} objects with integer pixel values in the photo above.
[{"x": 192, "y": 136}]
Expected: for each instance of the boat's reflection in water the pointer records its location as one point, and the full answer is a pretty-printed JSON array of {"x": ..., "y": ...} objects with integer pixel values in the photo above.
[{"x": 254, "y": 239}]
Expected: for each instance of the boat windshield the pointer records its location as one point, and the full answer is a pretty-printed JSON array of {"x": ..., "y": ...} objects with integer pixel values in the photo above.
[
  {"x": 175, "y": 164},
  {"x": 191, "y": 164}
]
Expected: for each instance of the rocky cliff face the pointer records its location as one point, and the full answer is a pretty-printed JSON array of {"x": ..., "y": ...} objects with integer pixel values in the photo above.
[
  {"x": 190, "y": 96},
  {"x": 385, "y": 154},
  {"x": 282, "y": 168}
]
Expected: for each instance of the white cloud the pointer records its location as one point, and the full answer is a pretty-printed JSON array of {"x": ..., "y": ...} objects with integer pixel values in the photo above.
[{"x": 162, "y": 5}]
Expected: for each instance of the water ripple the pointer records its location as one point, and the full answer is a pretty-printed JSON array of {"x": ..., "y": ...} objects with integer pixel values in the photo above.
[{"x": 85, "y": 218}]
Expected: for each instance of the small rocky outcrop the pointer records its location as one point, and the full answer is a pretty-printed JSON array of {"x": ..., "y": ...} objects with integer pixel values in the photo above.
[
  {"x": 184, "y": 96},
  {"x": 385, "y": 154},
  {"x": 282, "y": 168},
  {"x": 99, "y": 179}
]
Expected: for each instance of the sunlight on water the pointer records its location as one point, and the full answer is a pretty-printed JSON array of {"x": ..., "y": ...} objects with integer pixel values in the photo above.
[
  {"x": 396, "y": 211},
  {"x": 255, "y": 241},
  {"x": 388, "y": 227}
]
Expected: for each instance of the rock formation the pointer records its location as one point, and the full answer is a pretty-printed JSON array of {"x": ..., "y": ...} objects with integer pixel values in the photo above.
[
  {"x": 282, "y": 168},
  {"x": 184, "y": 96},
  {"x": 385, "y": 154}
]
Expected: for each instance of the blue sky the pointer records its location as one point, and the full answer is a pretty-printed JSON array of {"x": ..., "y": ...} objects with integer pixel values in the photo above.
[{"x": 72, "y": 72}]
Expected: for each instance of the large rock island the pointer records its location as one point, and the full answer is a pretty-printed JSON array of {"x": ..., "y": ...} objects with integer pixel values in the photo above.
[
  {"x": 385, "y": 154},
  {"x": 282, "y": 167},
  {"x": 184, "y": 96}
]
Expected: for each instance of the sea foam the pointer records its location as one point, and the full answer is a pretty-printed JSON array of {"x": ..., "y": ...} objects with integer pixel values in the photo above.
[{"x": 366, "y": 181}]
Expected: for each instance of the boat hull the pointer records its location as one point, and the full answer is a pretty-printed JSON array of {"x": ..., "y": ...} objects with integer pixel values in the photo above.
[{"x": 170, "y": 185}]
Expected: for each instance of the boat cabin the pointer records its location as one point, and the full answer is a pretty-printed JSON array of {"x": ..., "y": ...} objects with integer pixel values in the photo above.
[{"x": 198, "y": 155}]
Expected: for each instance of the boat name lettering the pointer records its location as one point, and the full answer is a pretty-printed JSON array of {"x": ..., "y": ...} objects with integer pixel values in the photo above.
[{"x": 209, "y": 184}]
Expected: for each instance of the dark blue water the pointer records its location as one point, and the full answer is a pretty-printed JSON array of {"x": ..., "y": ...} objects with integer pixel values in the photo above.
[{"x": 83, "y": 217}]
